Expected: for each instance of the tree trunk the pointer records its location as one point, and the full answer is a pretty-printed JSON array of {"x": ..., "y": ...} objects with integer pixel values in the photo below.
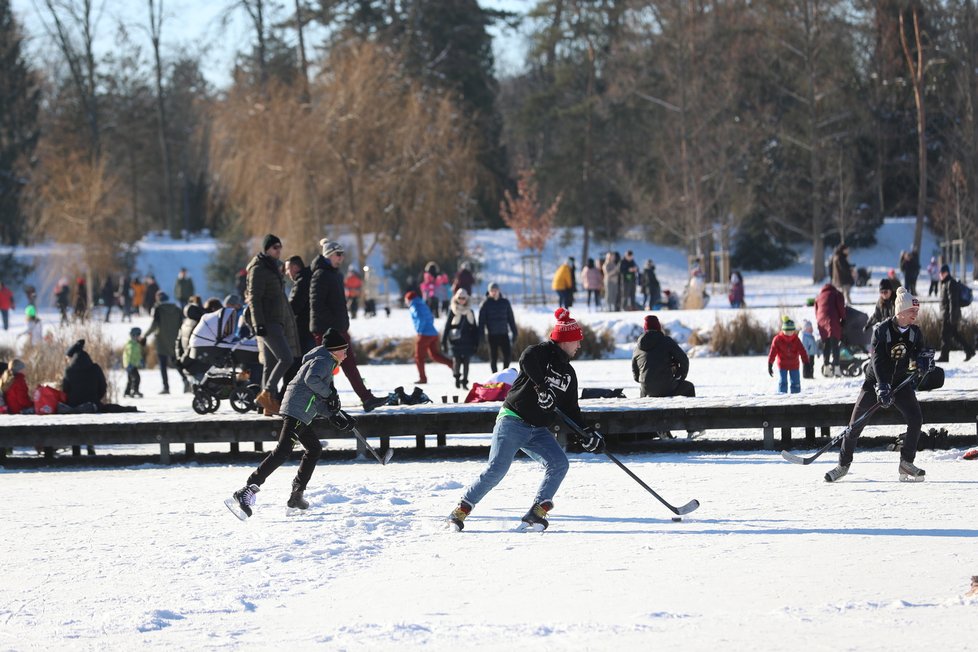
[
  {"x": 916, "y": 70},
  {"x": 155, "y": 26}
]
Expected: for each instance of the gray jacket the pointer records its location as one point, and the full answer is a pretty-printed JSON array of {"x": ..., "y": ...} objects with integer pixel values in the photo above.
[{"x": 305, "y": 397}]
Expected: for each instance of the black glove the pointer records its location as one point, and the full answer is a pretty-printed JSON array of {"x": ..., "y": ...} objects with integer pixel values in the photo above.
[
  {"x": 885, "y": 394},
  {"x": 260, "y": 330},
  {"x": 770, "y": 369},
  {"x": 545, "y": 398},
  {"x": 925, "y": 361},
  {"x": 342, "y": 421},
  {"x": 591, "y": 441},
  {"x": 333, "y": 402}
]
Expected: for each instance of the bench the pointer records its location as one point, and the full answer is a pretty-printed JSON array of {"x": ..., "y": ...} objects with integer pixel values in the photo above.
[{"x": 619, "y": 420}]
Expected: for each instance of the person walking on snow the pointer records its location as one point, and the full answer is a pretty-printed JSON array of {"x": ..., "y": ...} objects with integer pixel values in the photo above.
[
  {"x": 426, "y": 342},
  {"x": 562, "y": 283},
  {"x": 896, "y": 347},
  {"x": 951, "y": 316},
  {"x": 132, "y": 360},
  {"x": 546, "y": 381},
  {"x": 497, "y": 321},
  {"x": 310, "y": 394},
  {"x": 811, "y": 348},
  {"x": 830, "y": 312},
  {"x": 786, "y": 348},
  {"x": 461, "y": 333},
  {"x": 934, "y": 273}
]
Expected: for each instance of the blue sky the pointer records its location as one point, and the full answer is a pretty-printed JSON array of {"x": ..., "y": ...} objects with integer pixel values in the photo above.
[{"x": 196, "y": 27}]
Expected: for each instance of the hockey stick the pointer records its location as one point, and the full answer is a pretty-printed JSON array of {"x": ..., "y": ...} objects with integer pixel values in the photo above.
[
  {"x": 795, "y": 459},
  {"x": 363, "y": 440},
  {"x": 684, "y": 509}
]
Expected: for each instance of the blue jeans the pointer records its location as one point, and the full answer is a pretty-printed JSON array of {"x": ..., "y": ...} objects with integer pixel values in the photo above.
[
  {"x": 795, "y": 381},
  {"x": 510, "y": 435}
]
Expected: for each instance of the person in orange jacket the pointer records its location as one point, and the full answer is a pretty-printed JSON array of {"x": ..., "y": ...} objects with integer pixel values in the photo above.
[{"x": 787, "y": 349}]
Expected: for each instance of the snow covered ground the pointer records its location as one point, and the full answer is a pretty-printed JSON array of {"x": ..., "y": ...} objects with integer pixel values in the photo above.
[{"x": 148, "y": 556}]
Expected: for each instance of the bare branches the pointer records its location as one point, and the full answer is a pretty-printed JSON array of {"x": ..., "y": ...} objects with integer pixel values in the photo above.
[{"x": 522, "y": 213}]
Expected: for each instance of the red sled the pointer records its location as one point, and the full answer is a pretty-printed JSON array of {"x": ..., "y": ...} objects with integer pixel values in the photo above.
[
  {"x": 46, "y": 399},
  {"x": 489, "y": 392},
  {"x": 972, "y": 454}
]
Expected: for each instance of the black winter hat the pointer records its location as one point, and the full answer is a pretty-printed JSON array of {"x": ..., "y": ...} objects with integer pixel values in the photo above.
[
  {"x": 77, "y": 347},
  {"x": 333, "y": 341},
  {"x": 886, "y": 284},
  {"x": 269, "y": 241}
]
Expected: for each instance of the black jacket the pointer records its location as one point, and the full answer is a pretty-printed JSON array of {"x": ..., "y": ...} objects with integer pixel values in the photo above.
[
  {"x": 496, "y": 316},
  {"x": 950, "y": 300},
  {"x": 544, "y": 365},
  {"x": 299, "y": 300},
  {"x": 463, "y": 337},
  {"x": 893, "y": 352},
  {"x": 885, "y": 308},
  {"x": 83, "y": 381},
  {"x": 658, "y": 364},
  {"x": 327, "y": 299}
]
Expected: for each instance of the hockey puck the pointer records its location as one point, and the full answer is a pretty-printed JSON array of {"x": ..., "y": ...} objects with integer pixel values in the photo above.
[{"x": 677, "y": 519}]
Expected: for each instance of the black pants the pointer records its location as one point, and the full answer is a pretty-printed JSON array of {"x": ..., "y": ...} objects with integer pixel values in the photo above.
[
  {"x": 906, "y": 402},
  {"x": 597, "y": 298},
  {"x": 831, "y": 351},
  {"x": 499, "y": 343},
  {"x": 164, "y": 360},
  {"x": 950, "y": 335},
  {"x": 460, "y": 367},
  {"x": 132, "y": 380},
  {"x": 292, "y": 431},
  {"x": 932, "y": 290}
]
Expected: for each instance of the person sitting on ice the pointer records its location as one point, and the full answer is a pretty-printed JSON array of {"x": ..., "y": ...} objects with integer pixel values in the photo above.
[
  {"x": 310, "y": 394},
  {"x": 897, "y": 346},
  {"x": 546, "y": 381},
  {"x": 786, "y": 348},
  {"x": 659, "y": 366}
]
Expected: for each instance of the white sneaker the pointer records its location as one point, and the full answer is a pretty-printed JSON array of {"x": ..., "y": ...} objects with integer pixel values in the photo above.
[
  {"x": 836, "y": 473},
  {"x": 827, "y": 370}
]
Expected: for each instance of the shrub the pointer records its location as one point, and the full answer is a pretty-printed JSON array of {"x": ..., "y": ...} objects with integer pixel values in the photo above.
[
  {"x": 929, "y": 321},
  {"x": 46, "y": 362},
  {"x": 742, "y": 335}
]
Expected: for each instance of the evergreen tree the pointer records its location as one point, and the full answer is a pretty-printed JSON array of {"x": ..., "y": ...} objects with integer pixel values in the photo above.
[{"x": 19, "y": 102}]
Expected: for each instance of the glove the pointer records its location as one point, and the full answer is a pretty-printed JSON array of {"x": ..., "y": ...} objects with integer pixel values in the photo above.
[
  {"x": 342, "y": 421},
  {"x": 770, "y": 369},
  {"x": 333, "y": 402},
  {"x": 925, "y": 361},
  {"x": 318, "y": 337},
  {"x": 260, "y": 330},
  {"x": 885, "y": 394},
  {"x": 591, "y": 441},
  {"x": 545, "y": 398}
]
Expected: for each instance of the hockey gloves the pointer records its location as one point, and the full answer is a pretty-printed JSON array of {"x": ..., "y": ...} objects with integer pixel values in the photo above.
[
  {"x": 885, "y": 394},
  {"x": 925, "y": 361},
  {"x": 770, "y": 369},
  {"x": 333, "y": 402},
  {"x": 342, "y": 421},
  {"x": 545, "y": 398},
  {"x": 591, "y": 441}
]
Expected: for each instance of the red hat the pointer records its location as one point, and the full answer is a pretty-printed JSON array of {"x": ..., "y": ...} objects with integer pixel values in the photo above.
[
  {"x": 566, "y": 329},
  {"x": 652, "y": 323},
  {"x": 409, "y": 297}
]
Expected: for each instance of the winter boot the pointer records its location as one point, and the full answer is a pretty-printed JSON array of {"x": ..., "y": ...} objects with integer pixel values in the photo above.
[
  {"x": 910, "y": 473},
  {"x": 837, "y": 371},
  {"x": 374, "y": 402},
  {"x": 836, "y": 473},
  {"x": 827, "y": 370},
  {"x": 296, "y": 501},
  {"x": 242, "y": 500},
  {"x": 535, "y": 519},
  {"x": 457, "y": 517},
  {"x": 263, "y": 398},
  {"x": 458, "y": 381}
]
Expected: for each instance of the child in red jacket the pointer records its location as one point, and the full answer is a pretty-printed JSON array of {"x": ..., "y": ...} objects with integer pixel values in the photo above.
[
  {"x": 787, "y": 348},
  {"x": 16, "y": 396}
]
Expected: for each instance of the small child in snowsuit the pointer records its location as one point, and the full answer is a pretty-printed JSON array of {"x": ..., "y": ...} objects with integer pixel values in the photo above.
[
  {"x": 132, "y": 360},
  {"x": 310, "y": 394},
  {"x": 811, "y": 348},
  {"x": 787, "y": 349}
]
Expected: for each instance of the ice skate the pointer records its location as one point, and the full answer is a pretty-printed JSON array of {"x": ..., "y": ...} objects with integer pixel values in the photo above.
[
  {"x": 456, "y": 519},
  {"x": 535, "y": 520},
  {"x": 910, "y": 473},
  {"x": 242, "y": 500},
  {"x": 836, "y": 473}
]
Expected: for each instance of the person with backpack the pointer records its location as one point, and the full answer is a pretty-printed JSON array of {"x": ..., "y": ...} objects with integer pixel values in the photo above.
[
  {"x": 954, "y": 296},
  {"x": 897, "y": 346}
]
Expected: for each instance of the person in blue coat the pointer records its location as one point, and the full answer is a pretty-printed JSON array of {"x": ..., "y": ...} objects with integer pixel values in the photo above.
[
  {"x": 426, "y": 342},
  {"x": 310, "y": 394}
]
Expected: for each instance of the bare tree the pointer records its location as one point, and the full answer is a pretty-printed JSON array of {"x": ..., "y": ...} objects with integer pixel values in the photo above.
[
  {"x": 155, "y": 32},
  {"x": 522, "y": 213},
  {"x": 917, "y": 68}
]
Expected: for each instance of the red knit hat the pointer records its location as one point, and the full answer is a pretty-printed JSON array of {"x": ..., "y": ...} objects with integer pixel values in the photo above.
[
  {"x": 409, "y": 297},
  {"x": 652, "y": 323},
  {"x": 566, "y": 329}
]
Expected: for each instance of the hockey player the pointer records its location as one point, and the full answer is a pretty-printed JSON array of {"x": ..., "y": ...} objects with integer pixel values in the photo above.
[
  {"x": 310, "y": 394},
  {"x": 896, "y": 346},
  {"x": 546, "y": 380}
]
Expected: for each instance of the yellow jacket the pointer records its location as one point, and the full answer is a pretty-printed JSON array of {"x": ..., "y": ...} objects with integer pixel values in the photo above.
[{"x": 563, "y": 278}]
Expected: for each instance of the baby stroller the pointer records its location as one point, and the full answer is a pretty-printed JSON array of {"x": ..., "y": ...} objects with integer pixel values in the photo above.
[
  {"x": 217, "y": 364},
  {"x": 854, "y": 348}
]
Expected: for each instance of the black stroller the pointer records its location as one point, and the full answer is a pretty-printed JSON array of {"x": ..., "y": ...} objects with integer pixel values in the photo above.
[
  {"x": 854, "y": 348},
  {"x": 218, "y": 364}
]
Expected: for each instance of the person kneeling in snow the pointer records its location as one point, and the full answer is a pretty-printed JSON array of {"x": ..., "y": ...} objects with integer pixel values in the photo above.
[
  {"x": 546, "y": 381},
  {"x": 787, "y": 349},
  {"x": 310, "y": 394},
  {"x": 897, "y": 344}
]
